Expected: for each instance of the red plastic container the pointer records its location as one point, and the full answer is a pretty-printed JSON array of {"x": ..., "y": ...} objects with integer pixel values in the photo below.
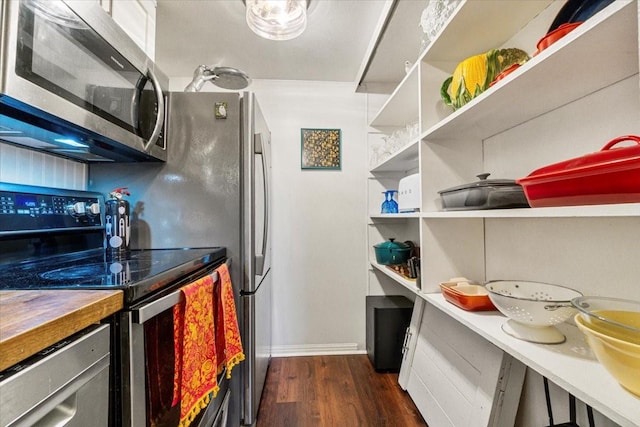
[
  {"x": 555, "y": 35},
  {"x": 611, "y": 175}
]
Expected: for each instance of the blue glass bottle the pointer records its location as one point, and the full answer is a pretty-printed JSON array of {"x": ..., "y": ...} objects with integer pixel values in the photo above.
[{"x": 389, "y": 205}]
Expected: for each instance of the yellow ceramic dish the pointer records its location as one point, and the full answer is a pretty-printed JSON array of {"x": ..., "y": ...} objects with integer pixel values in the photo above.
[{"x": 621, "y": 358}]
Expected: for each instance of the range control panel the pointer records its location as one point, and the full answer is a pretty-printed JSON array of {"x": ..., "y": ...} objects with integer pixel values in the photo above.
[{"x": 28, "y": 209}]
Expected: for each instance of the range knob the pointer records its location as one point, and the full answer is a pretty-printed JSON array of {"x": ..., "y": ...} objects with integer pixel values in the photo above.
[
  {"x": 93, "y": 209},
  {"x": 77, "y": 210}
]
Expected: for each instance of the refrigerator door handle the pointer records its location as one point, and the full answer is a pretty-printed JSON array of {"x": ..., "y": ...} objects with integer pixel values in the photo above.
[{"x": 259, "y": 148}]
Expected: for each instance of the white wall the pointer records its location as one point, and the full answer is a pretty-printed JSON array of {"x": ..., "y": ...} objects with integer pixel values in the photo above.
[
  {"x": 23, "y": 166},
  {"x": 319, "y": 231}
]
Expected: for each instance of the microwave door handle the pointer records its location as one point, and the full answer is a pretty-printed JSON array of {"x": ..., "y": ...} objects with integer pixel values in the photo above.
[
  {"x": 135, "y": 100},
  {"x": 160, "y": 119},
  {"x": 261, "y": 149}
]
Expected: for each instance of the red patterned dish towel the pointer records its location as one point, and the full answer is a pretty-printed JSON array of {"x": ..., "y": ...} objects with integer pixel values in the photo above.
[
  {"x": 229, "y": 350},
  {"x": 195, "y": 370}
]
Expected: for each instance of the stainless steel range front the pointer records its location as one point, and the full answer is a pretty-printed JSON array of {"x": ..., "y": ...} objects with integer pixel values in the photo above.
[{"x": 54, "y": 239}]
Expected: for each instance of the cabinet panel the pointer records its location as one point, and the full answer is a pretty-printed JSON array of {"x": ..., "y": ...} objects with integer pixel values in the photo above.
[
  {"x": 138, "y": 19},
  {"x": 458, "y": 378},
  {"x": 410, "y": 343}
]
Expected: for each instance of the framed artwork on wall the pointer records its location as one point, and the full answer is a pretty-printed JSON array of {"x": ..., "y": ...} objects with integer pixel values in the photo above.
[{"x": 320, "y": 149}]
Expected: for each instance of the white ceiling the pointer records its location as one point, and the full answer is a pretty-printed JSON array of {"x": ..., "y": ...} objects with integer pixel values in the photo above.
[{"x": 335, "y": 46}]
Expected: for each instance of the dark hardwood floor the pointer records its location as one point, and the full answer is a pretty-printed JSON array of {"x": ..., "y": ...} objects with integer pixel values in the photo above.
[{"x": 330, "y": 391}]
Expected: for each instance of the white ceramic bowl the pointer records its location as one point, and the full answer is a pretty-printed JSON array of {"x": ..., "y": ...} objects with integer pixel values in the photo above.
[{"x": 533, "y": 308}]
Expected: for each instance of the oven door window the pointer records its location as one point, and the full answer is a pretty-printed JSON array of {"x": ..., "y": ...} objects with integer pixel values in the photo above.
[
  {"x": 160, "y": 363},
  {"x": 59, "y": 52}
]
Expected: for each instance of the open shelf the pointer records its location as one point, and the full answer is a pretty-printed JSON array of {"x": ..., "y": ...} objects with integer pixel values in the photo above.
[
  {"x": 481, "y": 17},
  {"x": 401, "y": 106},
  {"x": 570, "y": 365},
  {"x": 396, "y": 216},
  {"x": 409, "y": 284},
  {"x": 618, "y": 210},
  {"x": 404, "y": 160},
  {"x": 584, "y": 55}
]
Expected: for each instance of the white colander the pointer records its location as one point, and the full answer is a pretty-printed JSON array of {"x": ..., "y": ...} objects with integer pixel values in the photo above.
[{"x": 533, "y": 308}]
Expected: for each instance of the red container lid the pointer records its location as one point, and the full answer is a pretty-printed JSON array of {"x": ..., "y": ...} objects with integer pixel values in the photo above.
[{"x": 609, "y": 159}]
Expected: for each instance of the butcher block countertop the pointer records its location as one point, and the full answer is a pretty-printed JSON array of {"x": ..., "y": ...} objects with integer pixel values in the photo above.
[{"x": 31, "y": 321}]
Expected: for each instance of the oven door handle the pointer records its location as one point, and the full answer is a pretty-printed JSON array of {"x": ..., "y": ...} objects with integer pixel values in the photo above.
[{"x": 151, "y": 310}]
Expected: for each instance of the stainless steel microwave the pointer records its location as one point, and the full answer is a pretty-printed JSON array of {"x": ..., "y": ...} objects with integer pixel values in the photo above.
[{"x": 73, "y": 84}]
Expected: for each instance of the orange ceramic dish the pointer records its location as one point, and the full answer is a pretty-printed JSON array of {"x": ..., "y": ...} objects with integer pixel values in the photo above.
[{"x": 468, "y": 297}]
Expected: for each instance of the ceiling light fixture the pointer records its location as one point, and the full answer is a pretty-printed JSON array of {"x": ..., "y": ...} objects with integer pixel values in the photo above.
[{"x": 277, "y": 19}]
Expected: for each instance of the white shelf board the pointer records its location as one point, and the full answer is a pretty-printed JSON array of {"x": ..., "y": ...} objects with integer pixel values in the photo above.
[
  {"x": 409, "y": 284},
  {"x": 396, "y": 215},
  {"x": 481, "y": 17},
  {"x": 570, "y": 365},
  {"x": 619, "y": 210},
  {"x": 586, "y": 55},
  {"x": 404, "y": 160},
  {"x": 402, "y": 105}
]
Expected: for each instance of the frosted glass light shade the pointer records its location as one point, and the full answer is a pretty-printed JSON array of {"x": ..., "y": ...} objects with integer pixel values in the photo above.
[{"x": 277, "y": 19}]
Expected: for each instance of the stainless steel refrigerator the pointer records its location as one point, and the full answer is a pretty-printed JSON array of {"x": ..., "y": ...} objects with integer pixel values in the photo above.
[{"x": 213, "y": 190}]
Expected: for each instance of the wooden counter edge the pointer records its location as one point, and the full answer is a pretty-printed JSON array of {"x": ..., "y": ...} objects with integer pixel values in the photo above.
[{"x": 81, "y": 309}]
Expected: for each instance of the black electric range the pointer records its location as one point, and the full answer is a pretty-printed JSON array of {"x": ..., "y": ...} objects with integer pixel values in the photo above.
[
  {"x": 50, "y": 239},
  {"x": 140, "y": 274}
]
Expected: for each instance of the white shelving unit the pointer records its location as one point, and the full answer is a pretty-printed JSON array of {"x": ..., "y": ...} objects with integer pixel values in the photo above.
[{"x": 566, "y": 101}]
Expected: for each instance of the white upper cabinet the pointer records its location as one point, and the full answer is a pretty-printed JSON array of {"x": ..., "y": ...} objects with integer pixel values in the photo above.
[{"x": 138, "y": 19}]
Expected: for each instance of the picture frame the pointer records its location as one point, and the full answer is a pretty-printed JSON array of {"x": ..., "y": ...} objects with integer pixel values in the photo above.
[{"x": 320, "y": 148}]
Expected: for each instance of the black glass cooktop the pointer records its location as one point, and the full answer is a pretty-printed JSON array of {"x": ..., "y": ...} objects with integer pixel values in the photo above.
[{"x": 139, "y": 274}]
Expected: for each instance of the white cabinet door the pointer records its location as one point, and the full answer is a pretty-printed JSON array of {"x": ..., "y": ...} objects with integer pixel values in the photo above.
[
  {"x": 138, "y": 19},
  {"x": 410, "y": 340},
  {"x": 460, "y": 379}
]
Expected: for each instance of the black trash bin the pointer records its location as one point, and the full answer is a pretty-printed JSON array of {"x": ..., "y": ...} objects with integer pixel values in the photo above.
[{"x": 388, "y": 317}]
